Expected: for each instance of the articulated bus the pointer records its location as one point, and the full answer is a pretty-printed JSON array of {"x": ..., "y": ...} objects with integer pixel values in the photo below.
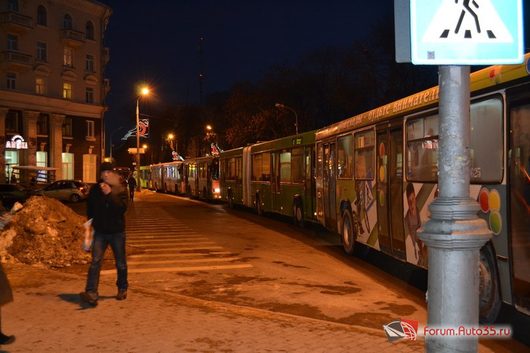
[
  {"x": 168, "y": 177},
  {"x": 274, "y": 176},
  {"x": 202, "y": 177},
  {"x": 376, "y": 173}
]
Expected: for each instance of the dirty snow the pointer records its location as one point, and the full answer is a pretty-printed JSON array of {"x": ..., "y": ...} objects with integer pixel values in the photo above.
[{"x": 44, "y": 231}]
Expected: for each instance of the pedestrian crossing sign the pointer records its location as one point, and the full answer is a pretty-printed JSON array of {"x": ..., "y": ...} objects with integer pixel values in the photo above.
[{"x": 466, "y": 32}]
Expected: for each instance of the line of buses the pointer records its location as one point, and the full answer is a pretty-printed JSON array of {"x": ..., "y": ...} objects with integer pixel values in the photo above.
[{"x": 370, "y": 178}]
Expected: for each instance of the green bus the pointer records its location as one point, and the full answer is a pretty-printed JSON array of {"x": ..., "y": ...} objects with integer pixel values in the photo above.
[
  {"x": 376, "y": 174},
  {"x": 231, "y": 166},
  {"x": 202, "y": 177},
  {"x": 273, "y": 176}
]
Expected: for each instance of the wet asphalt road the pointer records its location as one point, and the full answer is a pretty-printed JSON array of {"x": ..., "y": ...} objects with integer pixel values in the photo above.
[{"x": 210, "y": 252}]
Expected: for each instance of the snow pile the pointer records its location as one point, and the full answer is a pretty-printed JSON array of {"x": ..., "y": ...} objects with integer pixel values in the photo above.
[{"x": 44, "y": 231}]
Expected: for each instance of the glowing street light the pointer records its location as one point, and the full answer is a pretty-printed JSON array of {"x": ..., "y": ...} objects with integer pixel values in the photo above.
[
  {"x": 283, "y": 106},
  {"x": 144, "y": 91},
  {"x": 170, "y": 138}
]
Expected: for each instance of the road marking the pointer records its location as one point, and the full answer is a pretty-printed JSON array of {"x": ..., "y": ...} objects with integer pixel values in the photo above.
[
  {"x": 169, "y": 245},
  {"x": 160, "y": 262},
  {"x": 173, "y": 244},
  {"x": 181, "y": 254},
  {"x": 166, "y": 241},
  {"x": 186, "y": 248},
  {"x": 180, "y": 269}
]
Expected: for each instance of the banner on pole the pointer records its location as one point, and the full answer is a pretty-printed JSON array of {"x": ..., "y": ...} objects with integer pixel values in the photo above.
[{"x": 143, "y": 126}]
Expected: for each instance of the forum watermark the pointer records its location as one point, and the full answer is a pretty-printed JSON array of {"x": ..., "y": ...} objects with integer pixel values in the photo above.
[{"x": 406, "y": 329}]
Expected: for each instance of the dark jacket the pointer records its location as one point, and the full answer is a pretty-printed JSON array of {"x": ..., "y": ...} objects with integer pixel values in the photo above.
[
  {"x": 107, "y": 211},
  {"x": 6, "y": 295},
  {"x": 132, "y": 183}
]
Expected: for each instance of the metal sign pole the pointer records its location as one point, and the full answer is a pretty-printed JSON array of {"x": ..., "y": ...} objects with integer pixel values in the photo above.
[{"x": 454, "y": 234}]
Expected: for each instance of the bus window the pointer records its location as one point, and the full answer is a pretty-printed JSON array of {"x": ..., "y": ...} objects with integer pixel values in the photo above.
[
  {"x": 364, "y": 155},
  {"x": 285, "y": 167},
  {"x": 486, "y": 141},
  {"x": 297, "y": 165},
  {"x": 345, "y": 157},
  {"x": 261, "y": 167},
  {"x": 422, "y": 149},
  {"x": 257, "y": 166},
  {"x": 239, "y": 171}
]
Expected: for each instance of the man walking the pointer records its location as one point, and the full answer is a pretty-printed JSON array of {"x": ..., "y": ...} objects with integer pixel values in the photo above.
[
  {"x": 107, "y": 203},
  {"x": 132, "y": 186}
]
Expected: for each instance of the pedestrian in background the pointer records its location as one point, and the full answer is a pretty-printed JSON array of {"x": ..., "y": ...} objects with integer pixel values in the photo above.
[
  {"x": 6, "y": 296},
  {"x": 106, "y": 206},
  {"x": 132, "y": 186}
]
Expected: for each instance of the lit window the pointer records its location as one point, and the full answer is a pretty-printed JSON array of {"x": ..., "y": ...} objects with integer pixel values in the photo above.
[
  {"x": 89, "y": 30},
  {"x": 40, "y": 86},
  {"x": 90, "y": 129},
  {"x": 67, "y": 90},
  {"x": 89, "y": 95},
  {"x": 42, "y": 17},
  {"x": 11, "y": 80},
  {"x": 68, "y": 57},
  {"x": 67, "y": 22},
  {"x": 42, "y": 51},
  {"x": 89, "y": 63},
  {"x": 12, "y": 42}
]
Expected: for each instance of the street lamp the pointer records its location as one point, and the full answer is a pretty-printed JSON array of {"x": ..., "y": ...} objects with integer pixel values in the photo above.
[
  {"x": 144, "y": 91},
  {"x": 170, "y": 138},
  {"x": 283, "y": 106}
]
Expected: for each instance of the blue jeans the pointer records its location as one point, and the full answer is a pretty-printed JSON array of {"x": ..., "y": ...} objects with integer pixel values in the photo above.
[{"x": 101, "y": 242}]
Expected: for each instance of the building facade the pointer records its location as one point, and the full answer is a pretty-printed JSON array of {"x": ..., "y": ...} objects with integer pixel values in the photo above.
[{"x": 52, "y": 87}]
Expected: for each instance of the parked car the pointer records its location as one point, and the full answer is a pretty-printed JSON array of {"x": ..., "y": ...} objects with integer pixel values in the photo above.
[
  {"x": 11, "y": 193},
  {"x": 65, "y": 190}
]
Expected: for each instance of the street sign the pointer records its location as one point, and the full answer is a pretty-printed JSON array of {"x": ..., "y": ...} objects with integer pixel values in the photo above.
[
  {"x": 132, "y": 150},
  {"x": 461, "y": 32}
]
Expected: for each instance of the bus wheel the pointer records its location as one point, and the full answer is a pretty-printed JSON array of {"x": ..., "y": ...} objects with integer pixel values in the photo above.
[
  {"x": 348, "y": 232},
  {"x": 490, "y": 298},
  {"x": 298, "y": 214}
]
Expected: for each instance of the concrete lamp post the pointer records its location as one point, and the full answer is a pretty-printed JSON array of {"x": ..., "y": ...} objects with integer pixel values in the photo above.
[{"x": 144, "y": 91}]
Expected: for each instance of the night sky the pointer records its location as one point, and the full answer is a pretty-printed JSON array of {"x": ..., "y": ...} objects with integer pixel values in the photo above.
[{"x": 158, "y": 42}]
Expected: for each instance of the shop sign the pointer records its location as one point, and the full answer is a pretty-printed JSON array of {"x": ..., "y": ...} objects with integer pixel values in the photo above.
[{"x": 17, "y": 142}]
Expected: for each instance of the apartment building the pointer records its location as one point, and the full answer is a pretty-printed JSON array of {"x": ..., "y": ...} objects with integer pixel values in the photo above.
[{"x": 52, "y": 87}]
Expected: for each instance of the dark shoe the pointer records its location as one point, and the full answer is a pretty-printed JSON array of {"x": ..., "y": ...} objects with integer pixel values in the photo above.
[
  {"x": 6, "y": 339},
  {"x": 89, "y": 298},
  {"x": 122, "y": 294}
]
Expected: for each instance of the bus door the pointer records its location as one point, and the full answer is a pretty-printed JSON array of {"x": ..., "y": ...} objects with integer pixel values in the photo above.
[
  {"x": 519, "y": 169},
  {"x": 329, "y": 186},
  {"x": 276, "y": 186},
  {"x": 390, "y": 190}
]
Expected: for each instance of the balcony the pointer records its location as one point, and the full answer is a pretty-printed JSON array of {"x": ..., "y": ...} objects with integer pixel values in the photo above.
[
  {"x": 17, "y": 61},
  {"x": 73, "y": 38},
  {"x": 13, "y": 21}
]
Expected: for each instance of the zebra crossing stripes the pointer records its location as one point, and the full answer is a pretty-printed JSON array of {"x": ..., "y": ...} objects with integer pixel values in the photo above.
[{"x": 165, "y": 244}]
